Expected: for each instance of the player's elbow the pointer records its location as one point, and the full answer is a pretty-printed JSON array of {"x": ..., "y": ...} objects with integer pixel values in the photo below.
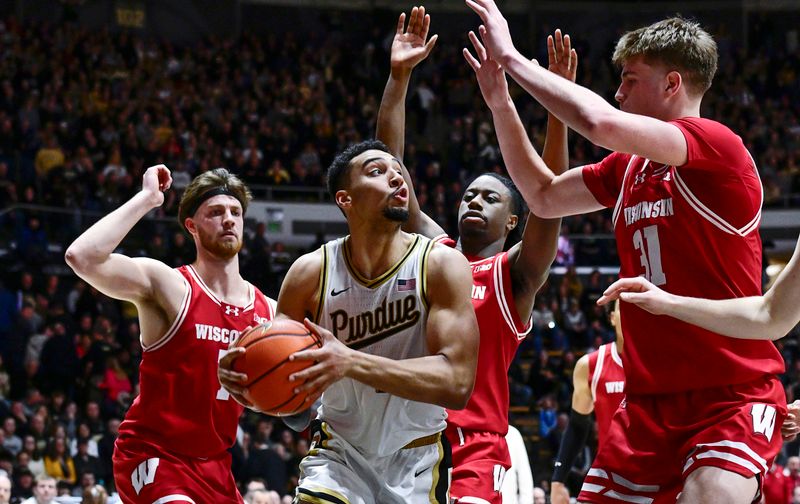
[
  {"x": 543, "y": 205},
  {"x": 75, "y": 259},
  {"x": 458, "y": 396},
  {"x": 599, "y": 127}
]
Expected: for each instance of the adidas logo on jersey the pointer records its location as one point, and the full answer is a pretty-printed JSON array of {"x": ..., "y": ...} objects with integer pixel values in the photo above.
[{"x": 216, "y": 334}]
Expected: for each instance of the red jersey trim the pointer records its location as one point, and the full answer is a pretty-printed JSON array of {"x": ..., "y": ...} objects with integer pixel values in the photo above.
[
  {"x": 618, "y": 206},
  {"x": 598, "y": 370},
  {"x": 712, "y": 217},
  {"x": 615, "y": 354},
  {"x": 176, "y": 324},
  {"x": 505, "y": 308},
  {"x": 250, "y": 304},
  {"x": 442, "y": 238}
]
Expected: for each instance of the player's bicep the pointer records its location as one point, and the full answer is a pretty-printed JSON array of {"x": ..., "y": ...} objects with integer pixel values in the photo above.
[
  {"x": 300, "y": 294},
  {"x": 647, "y": 137},
  {"x": 452, "y": 328},
  {"x": 132, "y": 279},
  {"x": 582, "y": 401}
]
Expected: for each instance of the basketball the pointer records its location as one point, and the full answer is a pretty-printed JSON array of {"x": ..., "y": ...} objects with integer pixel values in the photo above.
[{"x": 267, "y": 366}]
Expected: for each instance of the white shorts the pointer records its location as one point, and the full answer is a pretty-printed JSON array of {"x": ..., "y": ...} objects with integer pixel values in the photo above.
[{"x": 335, "y": 472}]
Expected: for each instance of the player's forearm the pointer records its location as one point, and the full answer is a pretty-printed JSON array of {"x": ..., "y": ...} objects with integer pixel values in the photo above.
[
  {"x": 432, "y": 379},
  {"x": 544, "y": 232},
  {"x": 98, "y": 242},
  {"x": 744, "y": 318},
  {"x": 578, "y": 107},
  {"x": 529, "y": 172},
  {"x": 555, "y": 153},
  {"x": 392, "y": 112}
]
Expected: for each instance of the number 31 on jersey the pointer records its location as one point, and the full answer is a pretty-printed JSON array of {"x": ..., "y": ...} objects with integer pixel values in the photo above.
[{"x": 646, "y": 242}]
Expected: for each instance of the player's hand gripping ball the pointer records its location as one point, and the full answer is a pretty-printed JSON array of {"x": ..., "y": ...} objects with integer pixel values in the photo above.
[{"x": 267, "y": 366}]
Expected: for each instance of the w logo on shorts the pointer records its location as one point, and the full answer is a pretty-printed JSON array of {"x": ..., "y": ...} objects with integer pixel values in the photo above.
[
  {"x": 763, "y": 420},
  {"x": 499, "y": 476},
  {"x": 144, "y": 474}
]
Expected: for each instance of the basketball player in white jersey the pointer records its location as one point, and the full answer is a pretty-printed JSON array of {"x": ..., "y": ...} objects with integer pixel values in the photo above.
[{"x": 399, "y": 344}]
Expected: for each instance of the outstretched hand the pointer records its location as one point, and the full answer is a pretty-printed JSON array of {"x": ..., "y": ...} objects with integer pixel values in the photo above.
[
  {"x": 411, "y": 44},
  {"x": 562, "y": 59},
  {"x": 640, "y": 292},
  {"x": 156, "y": 180},
  {"x": 791, "y": 424},
  {"x": 491, "y": 77},
  {"x": 331, "y": 363},
  {"x": 494, "y": 31}
]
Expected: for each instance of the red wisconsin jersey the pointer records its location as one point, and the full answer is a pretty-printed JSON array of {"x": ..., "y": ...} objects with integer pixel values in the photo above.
[
  {"x": 693, "y": 231},
  {"x": 607, "y": 383},
  {"x": 181, "y": 406},
  {"x": 501, "y": 332}
]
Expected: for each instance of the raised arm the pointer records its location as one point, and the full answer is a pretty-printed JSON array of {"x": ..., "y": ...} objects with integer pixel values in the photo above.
[
  {"x": 409, "y": 47},
  {"x": 574, "y": 438},
  {"x": 581, "y": 109},
  {"x": 444, "y": 377},
  {"x": 548, "y": 195},
  {"x": 146, "y": 282},
  {"x": 767, "y": 317},
  {"x": 531, "y": 258}
]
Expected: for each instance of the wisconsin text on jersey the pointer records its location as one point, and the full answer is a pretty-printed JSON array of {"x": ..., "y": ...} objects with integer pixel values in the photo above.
[
  {"x": 385, "y": 320},
  {"x": 649, "y": 210},
  {"x": 214, "y": 333}
]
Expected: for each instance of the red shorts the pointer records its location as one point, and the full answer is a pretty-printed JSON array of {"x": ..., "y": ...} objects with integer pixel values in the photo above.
[
  {"x": 480, "y": 462},
  {"x": 655, "y": 442},
  {"x": 147, "y": 474}
]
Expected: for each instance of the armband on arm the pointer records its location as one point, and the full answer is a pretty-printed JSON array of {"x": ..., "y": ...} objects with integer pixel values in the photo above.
[{"x": 571, "y": 444}]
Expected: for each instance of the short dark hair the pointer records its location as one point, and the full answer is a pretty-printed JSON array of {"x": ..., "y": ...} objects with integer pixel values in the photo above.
[{"x": 340, "y": 167}]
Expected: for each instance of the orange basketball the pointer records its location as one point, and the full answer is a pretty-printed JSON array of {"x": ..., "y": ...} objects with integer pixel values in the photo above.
[{"x": 267, "y": 366}]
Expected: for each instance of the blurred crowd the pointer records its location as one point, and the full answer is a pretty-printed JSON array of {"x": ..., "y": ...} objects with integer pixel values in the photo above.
[{"x": 84, "y": 113}]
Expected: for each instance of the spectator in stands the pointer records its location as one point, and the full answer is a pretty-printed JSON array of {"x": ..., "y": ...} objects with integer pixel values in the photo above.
[
  {"x": 5, "y": 489},
  {"x": 24, "y": 482},
  {"x": 94, "y": 494},
  {"x": 86, "y": 463},
  {"x": 11, "y": 441},
  {"x": 44, "y": 491},
  {"x": 539, "y": 497},
  {"x": 36, "y": 459},
  {"x": 58, "y": 463}
]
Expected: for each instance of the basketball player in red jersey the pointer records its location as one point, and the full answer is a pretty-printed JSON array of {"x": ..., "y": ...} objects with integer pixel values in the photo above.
[
  {"x": 599, "y": 386},
  {"x": 172, "y": 444},
  {"x": 702, "y": 412},
  {"x": 504, "y": 283}
]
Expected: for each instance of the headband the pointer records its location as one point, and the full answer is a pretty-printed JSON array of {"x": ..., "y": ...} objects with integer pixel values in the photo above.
[{"x": 210, "y": 194}]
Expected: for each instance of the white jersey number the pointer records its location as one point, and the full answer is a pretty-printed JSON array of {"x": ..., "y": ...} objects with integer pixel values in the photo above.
[
  {"x": 222, "y": 394},
  {"x": 650, "y": 254}
]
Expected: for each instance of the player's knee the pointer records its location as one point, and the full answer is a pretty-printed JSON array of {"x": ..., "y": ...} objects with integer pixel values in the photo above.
[{"x": 712, "y": 485}]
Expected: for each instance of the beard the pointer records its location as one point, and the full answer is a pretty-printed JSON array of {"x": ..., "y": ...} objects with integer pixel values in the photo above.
[
  {"x": 221, "y": 249},
  {"x": 396, "y": 214}
]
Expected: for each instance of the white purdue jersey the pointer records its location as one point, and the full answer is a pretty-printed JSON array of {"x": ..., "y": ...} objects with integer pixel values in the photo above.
[{"x": 385, "y": 316}]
